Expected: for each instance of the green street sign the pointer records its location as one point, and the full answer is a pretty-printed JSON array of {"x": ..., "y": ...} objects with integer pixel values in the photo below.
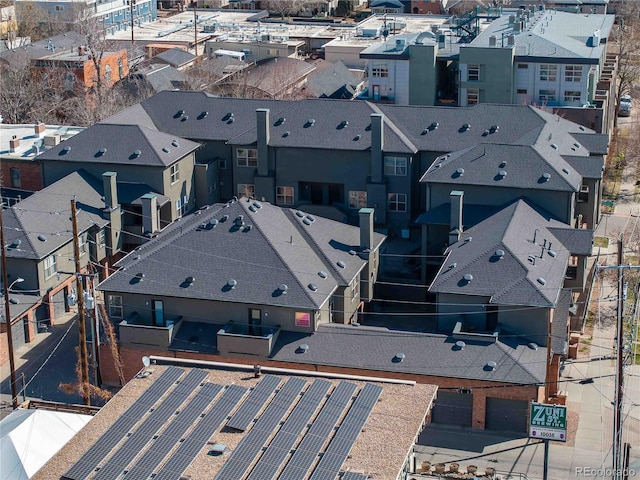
[{"x": 548, "y": 422}]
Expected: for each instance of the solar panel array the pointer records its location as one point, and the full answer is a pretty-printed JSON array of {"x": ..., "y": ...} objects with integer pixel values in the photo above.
[
  {"x": 103, "y": 446},
  {"x": 310, "y": 446},
  {"x": 269, "y": 464},
  {"x": 251, "y": 445},
  {"x": 341, "y": 444},
  {"x": 134, "y": 444},
  {"x": 211, "y": 422},
  {"x": 354, "y": 476},
  {"x": 167, "y": 440},
  {"x": 257, "y": 398}
]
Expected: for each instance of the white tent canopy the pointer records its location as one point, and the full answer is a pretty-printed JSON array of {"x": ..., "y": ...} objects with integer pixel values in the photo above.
[{"x": 29, "y": 438}]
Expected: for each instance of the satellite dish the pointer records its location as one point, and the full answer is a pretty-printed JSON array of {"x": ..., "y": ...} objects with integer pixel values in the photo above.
[{"x": 146, "y": 361}]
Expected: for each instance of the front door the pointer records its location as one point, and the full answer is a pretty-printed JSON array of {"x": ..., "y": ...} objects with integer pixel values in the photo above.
[
  {"x": 376, "y": 92},
  {"x": 255, "y": 321},
  {"x": 158, "y": 313}
]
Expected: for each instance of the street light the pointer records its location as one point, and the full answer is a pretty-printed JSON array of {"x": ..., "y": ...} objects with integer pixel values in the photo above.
[{"x": 17, "y": 280}]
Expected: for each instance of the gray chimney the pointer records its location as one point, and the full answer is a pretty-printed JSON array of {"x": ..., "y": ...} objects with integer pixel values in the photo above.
[
  {"x": 366, "y": 228},
  {"x": 511, "y": 39},
  {"x": 377, "y": 147},
  {"x": 492, "y": 41},
  {"x": 149, "y": 212},
  {"x": 455, "y": 223},
  {"x": 110, "y": 189},
  {"x": 263, "y": 141}
]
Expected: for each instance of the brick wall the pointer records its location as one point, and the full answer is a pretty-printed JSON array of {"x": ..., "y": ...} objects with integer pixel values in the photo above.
[
  {"x": 30, "y": 174},
  {"x": 4, "y": 348},
  {"x": 132, "y": 361}
]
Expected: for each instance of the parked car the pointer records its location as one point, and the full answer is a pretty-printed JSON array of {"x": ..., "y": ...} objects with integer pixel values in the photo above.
[{"x": 624, "y": 109}]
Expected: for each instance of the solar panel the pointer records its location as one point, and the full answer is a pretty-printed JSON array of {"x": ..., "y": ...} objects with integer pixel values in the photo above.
[
  {"x": 252, "y": 443},
  {"x": 166, "y": 441},
  {"x": 257, "y": 398},
  {"x": 134, "y": 444},
  {"x": 310, "y": 446},
  {"x": 191, "y": 446},
  {"x": 280, "y": 447},
  {"x": 342, "y": 443},
  {"x": 353, "y": 476},
  {"x": 101, "y": 448}
]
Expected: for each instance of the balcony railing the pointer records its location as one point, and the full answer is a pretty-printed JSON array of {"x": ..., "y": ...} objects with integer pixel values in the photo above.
[
  {"x": 136, "y": 331},
  {"x": 244, "y": 339}
]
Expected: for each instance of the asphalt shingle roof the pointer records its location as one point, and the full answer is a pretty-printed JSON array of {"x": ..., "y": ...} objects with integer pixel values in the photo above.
[
  {"x": 527, "y": 273},
  {"x": 372, "y": 348},
  {"x": 121, "y": 144},
  {"x": 176, "y": 57},
  {"x": 596, "y": 143},
  {"x": 274, "y": 247},
  {"x": 40, "y": 224}
]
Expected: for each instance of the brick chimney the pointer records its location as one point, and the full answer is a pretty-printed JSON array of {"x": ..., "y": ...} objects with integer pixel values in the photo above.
[
  {"x": 39, "y": 129},
  {"x": 14, "y": 143}
]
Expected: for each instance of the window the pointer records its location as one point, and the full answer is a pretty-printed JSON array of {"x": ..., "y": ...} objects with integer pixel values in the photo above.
[
  {"x": 247, "y": 157},
  {"x": 548, "y": 73},
  {"x": 222, "y": 164},
  {"x": 101, "y": 237},
  {"x": 115, "y": 306},
  {"x": 50, "y": 266},
  {"x": 272, "y": 52},
  {"x": 583, "y": 195},
  {"x": 523, "y": 66},
  {"x": 357, "y": 199},
  {"x": 182, "y": 206},
  {"x": 573, "y": 73},
  {"x": 395, "y": 166},
  {"x": 547, "y": 96},
  {"x": 355, "y": 290},
  {"x": 59, "y": 8},
  {"x": 397, "y": 202},
  {"x": 246, "y": 190},
  {"x": 284, "y": 195},
  {"x": 572, "y": 96},
  {"x": 69, "y": 81},
  {"x": 473, "y": 72},
  {"x": 82, "y": 243},
  {"x": 473, "y": 96},
  {"x": 380, "y": 70},
  {"x": 303, "y": 319},
  {"x": 174, "y": 171},
  {"x": 522, "y": 91},
  {"x": 15, "y": 177}
]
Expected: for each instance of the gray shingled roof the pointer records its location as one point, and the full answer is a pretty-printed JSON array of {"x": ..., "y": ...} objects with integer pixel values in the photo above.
[
  {"x": 176, "y": 57},
  {"x": 526, "y": 273},
  {"x": 524, "y": 167},
  {"x": 121, "y": 143},
  {"x": 40, "y": 224},
  {"x": 330, "y": 80},
  {"x": 374, "y": 349},
  {"x": 42, "y": 48},
  {"x": 278, "y": 248},
  {"x": 130, "y": 193},
  {"x": 596, "y": 143},
  {"x": 19, "y": 303}
]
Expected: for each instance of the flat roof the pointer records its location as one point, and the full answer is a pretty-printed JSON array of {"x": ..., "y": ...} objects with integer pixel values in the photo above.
[
  {"x": 26, "y": 134},
  {"x": 380, "y": 448}
]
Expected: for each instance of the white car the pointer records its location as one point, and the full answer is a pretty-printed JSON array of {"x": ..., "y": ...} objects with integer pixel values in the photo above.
[{"x": 624, "y": 109}]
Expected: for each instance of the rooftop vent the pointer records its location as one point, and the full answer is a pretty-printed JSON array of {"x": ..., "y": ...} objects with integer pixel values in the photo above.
[
  {"x": 42, "y": 238},
  {"x": 466, "y": 126},
  {"x": 546, "y": 177},
  {"x": 460, "y": 345},
  {"x": 306, "y": 221},
  {"x": 552, "y": 253},
  {"x": 299, "y": 213},
  {"x": 533, "y": 346},
  {"x": 532, "y": 259},
  {"x": 224, "y": 218},
  {"x": 239, "y": 220},
  {"x": 494, "y": 128},
  {"x": 232, "y": 283},
  {"x": 502, "y": 164},
  {"x": 286, "y": 134},
  {"x": 499, "y": 253},
  {"x": 102, "y": 151},
  {"x": 343, "y": 124},
  {"x": 356, "y": 138},
  {"x": 302, "y": 348},
  {"x": 490, "y": 366},
  {"x": 554, "y": 146},
  {"x": 577, "y": 145},
  {"x": 283, "y": 288},
  {"x": 341, "y": 264},
  {"x": 280, "y": 121},
  {"x": 175, "y": 143},
  {"x": 566, "y": 170},
  {"x": 313, "y": 287},
  {"x": 178, "y": 114},
  {"x": 434, "y": 125},
  {"x": 14, "y": 301},
  {"x": 137, "y": 153},
  {"x": 399, "y": 357},
  {"x": 247, "y": 228},
  {"x": 352, "y": 252},
  {"x": 502, "y": 173},
  {"x": 65, "y": 150},
  {"x": 467, "y": 277},
  {"x": 189, "y": 281},
  {"x": 541, "y": 281},
  {"x": 252, "y": 208},
  {"x": 460, "y": 171},
  {"x": 203, "y": 115},
  {"x": 165, "y": 149},
  {"x": 468, "y": 239},
  {"x": 258, "y": 205},
  {"x": 310, "y": 122},
  {"x": 452, "y": 266},
  {"x": 227, "y": 117},
  {"x": 139, "y": 277},
  {"x": 322, "y": 274}
]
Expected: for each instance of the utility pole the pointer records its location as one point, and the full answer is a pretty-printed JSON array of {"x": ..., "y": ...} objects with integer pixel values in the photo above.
[
  {"x": 195, "y": 27},
  {"x": 132, "y": 3},
  {"x": 7, "y": 319},
  {"x": 617, "y": 427},
  {"x": 84, "y": 363}
]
